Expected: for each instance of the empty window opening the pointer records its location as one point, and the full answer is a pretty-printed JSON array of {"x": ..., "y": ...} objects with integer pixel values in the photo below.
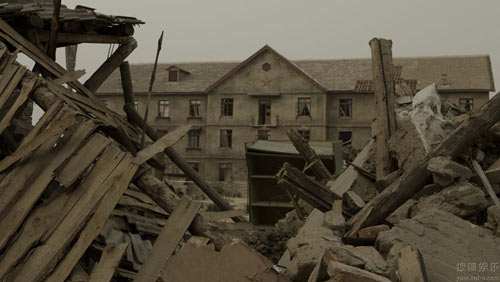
[
  {"x": 194, "y": 108},
  {"x": 227, "y": 107},
  {"x": 304, "y": 106},
  {"x": 345, "y": 109},
  {"x": 163, "y": 108},
  {"x": 194, "y": 139},
  {"x": 226, "y": 138},
  {"x": 224, "y": 172}
]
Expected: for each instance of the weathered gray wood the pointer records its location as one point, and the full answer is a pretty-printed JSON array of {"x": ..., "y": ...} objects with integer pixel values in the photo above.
[
  {"x": 165, "y": 244},
  {"x": 7, "y": 75},
  {"x": 54, "y": 30},
  {"x": 70, "y": 52},
  {"x": 23, "y": 96},
  {"x": 110, "y": 258},
  {"x": 15, "y": 216},
  {"x": 317, "y": 166},
  {"x": 82, "y": 160},
  {"x": 72, "y": 38},
  {"x": 411, "y": 265},
  {"x": 56, "y": 129},
  {"x": 132, "y": 202},
  {"x": 166, "y": 141},
  {"x": 128, "y": 89},
  {"x": 383, "y": 81},
  {"x": 5, "y": 94},
  {"x": 69, "y": 77},
  {"x": 110, "y": 65},
  {"x": 412, "y": 181},
  {"x": 133, "y": 116},
  {"x": 486, "y": 182},
  {"x": 43, "y": 258}
]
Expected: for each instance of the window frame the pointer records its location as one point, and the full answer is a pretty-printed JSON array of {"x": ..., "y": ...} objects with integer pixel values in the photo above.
[
  {"x": 194, "y": 143},
  {"x": 342, "y": 113},
  {"x": 465, "y": 101},
  {"x": 227, "y": 107},
  {"x": 229, "y": 139},
  {"x": 162, "y": 103},
  {"x": 223, "y": 167},
  {"x": 191, "y": 108},
  {"x": 308, "y": 105},
  {"x": 172, "y": 78}
]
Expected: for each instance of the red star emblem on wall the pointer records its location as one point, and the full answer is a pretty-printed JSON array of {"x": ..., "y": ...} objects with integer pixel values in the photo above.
[{"x": 266, "y": 81}]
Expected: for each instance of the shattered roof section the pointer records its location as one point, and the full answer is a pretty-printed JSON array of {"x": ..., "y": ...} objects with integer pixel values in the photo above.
[
  {"x": 461, "y": 73},
  {"x": 44, "y": 9}
]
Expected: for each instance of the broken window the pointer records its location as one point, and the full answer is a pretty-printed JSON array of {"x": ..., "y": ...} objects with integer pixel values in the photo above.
[
  {"x": 163, "y": 108},
  {"x": 227, "y": 107},
  {"x": 173, "y": 75},
  {"x": 345, "y": 136},
  {"x": 194, "y": 108},
  {"x": 304, "y": 107},
  {"x": 194, "y": 138},
  {"x": 306, "y": 134},
  {"x": 265, "y": 112},
  {"x": 226, "y": 136},
  {"x": 466, "y": 104},
  {"x": 195, "y": 166},
  {"x": 136, "y": 105},
  {"x": 263, "y": 134},
  {"x": 345, "y": 109},
  {"x": 224, "y": 172}
]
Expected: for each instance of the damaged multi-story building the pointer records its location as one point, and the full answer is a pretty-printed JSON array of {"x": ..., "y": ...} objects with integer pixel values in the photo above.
[{"x": 233, "y": 103}]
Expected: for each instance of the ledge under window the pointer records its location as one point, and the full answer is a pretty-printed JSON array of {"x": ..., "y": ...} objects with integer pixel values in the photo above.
[
  {"x": 193, "y": 149},
  {"x": 164, "y": 118},
  {"x": 193, "y": 117}
]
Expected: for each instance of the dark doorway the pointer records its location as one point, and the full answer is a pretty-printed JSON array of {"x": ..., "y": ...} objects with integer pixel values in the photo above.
[{"x": 265, "y": 112}]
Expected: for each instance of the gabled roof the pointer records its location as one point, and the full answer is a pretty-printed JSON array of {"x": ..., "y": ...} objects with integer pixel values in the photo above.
[
  {"x": 462, "y": 73},
  {"x": 266, "y": 48}
]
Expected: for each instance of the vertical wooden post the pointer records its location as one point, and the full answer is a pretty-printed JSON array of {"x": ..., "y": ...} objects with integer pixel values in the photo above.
[
  {"x": 71, "y": 57},
  {"x": 54, "y": 30},
  {"x": 383, "y": 81},
  {"x": 128, "y": 89}
]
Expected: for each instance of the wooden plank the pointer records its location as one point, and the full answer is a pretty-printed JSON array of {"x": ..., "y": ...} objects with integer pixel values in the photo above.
[
  {"x": 142, "y": 248},
  {"x": 166, "y": 243},
  {"x": 47, "y": 117},
  {"x": 54, "y": 29},
  {"x": 486, "y": 183},
  {"x": 118, "y": 181},
  {"x": 110, "y": 65},
  {"x": 4, "y": 96},
  {"x": 72, "y": 38},
  {"x": 15, "y": 216},
  {"x": 309, "y": 155},
  {"x": 7, "y": 75},
  {"x": 56, "y": 129},
  {"x": 70, "y": 52},
  {"x": 110, "y": 259},
  {"x": 44, "y": 257},
  {"x": 132, "y": 202},
  {"x": 411, "y": 265},
  {"x": 69, "y": 77},
  {"x": 161, "y": 144},
  {"x": 126, "y": 77},
  {"x": 23, "y": 96},
  {"x": 82, "y": 160},
  {"x": 216, "y": 216},
  {"x": 383, "y": 81}
]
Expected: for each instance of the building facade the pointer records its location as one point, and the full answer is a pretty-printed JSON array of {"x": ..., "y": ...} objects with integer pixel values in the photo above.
[{"x": 232, "y": 103}]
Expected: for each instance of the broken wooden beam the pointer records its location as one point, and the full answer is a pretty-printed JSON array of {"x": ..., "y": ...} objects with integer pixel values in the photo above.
[
  {"x": 169, "y": 238},
  {"x": 134, "y": 117},
  {"x": 412, "y": 181},
  {"x": 79, "y": 38},
  {"x": 128, "y": 89},
  {"x": 316, "y": 165},
  {"x": 70, "y": 52},
  {"x": 310, "y": 190},
  {"x": 54, "y": 30},
  {"x": 383, "y": 81},
  {"x": 486, "y": 182},
  {"x": 105, "y": 70},
  {"x": 110, "y": 259}
]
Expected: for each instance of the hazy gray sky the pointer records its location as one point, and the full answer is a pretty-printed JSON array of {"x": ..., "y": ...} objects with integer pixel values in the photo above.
[{"x": 222, "y": 30}]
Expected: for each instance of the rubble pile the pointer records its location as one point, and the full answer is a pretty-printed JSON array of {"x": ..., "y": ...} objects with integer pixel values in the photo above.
[{"x": 441, "y": 233}]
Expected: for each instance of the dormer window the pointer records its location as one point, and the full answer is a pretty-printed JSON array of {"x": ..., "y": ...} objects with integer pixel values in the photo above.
[{"x": 173, "y": 75}]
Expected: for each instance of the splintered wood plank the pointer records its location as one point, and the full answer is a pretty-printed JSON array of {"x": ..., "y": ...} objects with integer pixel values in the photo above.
[
  {"x": 7, "y": 75},
  {"x": 165, "y": 244},
  {"x": 69, "y": 77},
  {"x": 5, "y": 94},
  {"x": 132, "y": 202},
  {"x": 110, "y": 259},
  {"x": 164, "y": 142},
  {"x": 43, "y": 121},
  {"x": 56, "y": 129},
  {"x": 15, "y": 216},
  {"x": 81, "y": 161},
  {"x": 119, "y": 182},
  {"x": 23, "y": 96},
  {"x": 44, "y": 257}
]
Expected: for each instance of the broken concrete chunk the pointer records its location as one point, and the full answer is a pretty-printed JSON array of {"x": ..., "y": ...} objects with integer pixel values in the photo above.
[
  {"x": 352, "y": 202},
  {"x": 461, "y": 199},
  {"x": 403, "y": 212},
  {"x": 446, "y": 241},
  {"x": 372, "y": 232},
  {"x": 411, "y": 265},
  {"x": 334, "y": 221},
  {"x": 405, "y": 100},
  {"x": 493, "y": 217},
  {"x": 445, "y": 171},
  {"x": 364, "y": 257},
  {"x": 340, "y": 272},
  {"x": 290, "y": 224},
  {"x": 352, "y": 180},
  {"x": 306, "y": 249}
]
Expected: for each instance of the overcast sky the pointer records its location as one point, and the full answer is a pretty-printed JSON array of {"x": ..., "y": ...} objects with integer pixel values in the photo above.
[{"x": 231, "y": 30}]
